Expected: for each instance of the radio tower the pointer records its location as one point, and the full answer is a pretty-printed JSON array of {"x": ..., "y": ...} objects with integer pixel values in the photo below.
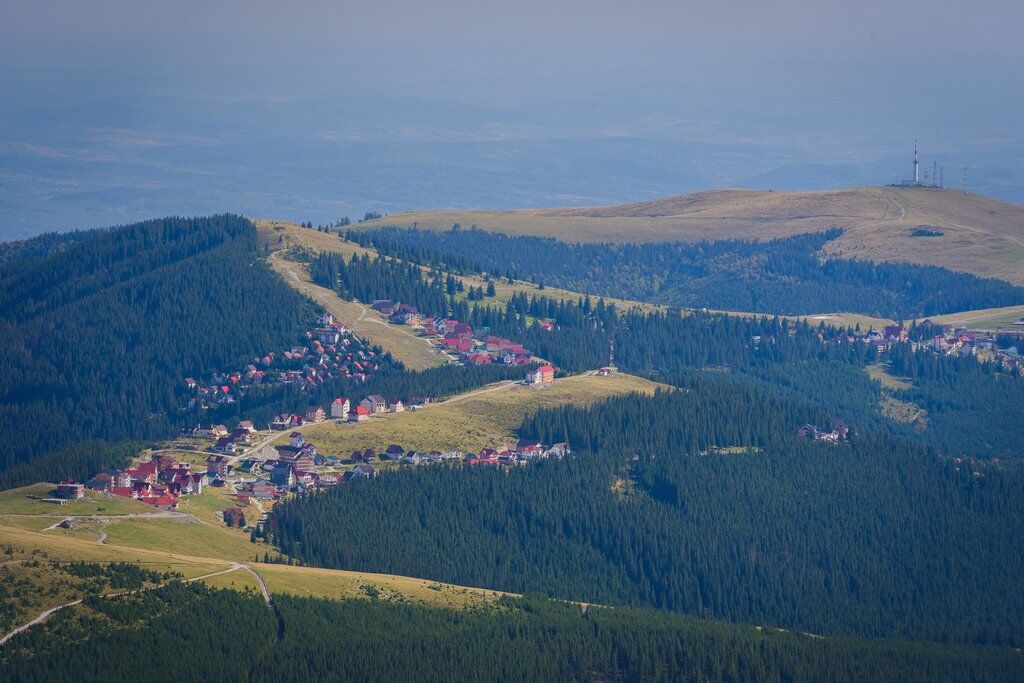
[
  {"x": 935, "y": 173},
  {"x": 917, "y": 166}
]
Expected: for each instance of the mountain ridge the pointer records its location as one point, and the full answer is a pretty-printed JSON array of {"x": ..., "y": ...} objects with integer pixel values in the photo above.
[{"x": 929, "y": 226}]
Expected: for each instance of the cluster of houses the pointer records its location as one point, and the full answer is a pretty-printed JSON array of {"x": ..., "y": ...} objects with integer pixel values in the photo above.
[
  {"x": 942, "y": 339},
  {"x": 298, "y": 465},
  {"x": 525, "y": 451},
  {"x": 332, "y": 352},
  {"x": 227, "y": 442},
  {"x": 457, "y": 338},
  {"x": 839, "y": 432},
  {"x": 946, "y": 340},
  {"x": 344, "y": 409},
  {"x": 161, "y": 482}
]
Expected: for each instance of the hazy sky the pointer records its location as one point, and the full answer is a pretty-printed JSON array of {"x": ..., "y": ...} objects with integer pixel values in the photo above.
[
  {"x": 113, "y": 110},
  {"x": 598, "y": 30}
]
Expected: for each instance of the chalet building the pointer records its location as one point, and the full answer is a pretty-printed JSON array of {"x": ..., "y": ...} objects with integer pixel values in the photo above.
[
  {"x": 103, "y": 481},
  {"x": 218, "y": 464},
  {"x": 70, "y": 490},
  {"x": 264, "y": 490},
  {"x": 340, "y": 408},
  {"x": 375, "y": 403},
  {"x": 283, "y": 475},
  {"x": 282, "y": 422},
  {"x": 225, "y": 445},
  {"x": 396, "y": 406},
  {"x": 361, "y": 472},
  {"x": 542, "y": 375},
  {"x": 296, "y": 440},
  {"x": 315, "y": 414},
  {"x": 164, "y": 462},
  {"x": 329, "y": 479},
  {"x": 895, "y": 333},
  {"x": 393, "y": 452},
  {"x": 360, "y": 414}
]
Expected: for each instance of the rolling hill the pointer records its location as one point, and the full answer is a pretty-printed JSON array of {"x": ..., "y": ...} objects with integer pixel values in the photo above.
[{"x": 979, "y": 235}]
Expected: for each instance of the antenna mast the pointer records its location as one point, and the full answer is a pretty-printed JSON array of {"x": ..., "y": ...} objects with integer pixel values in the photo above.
[{"x": 917, "y": 165}]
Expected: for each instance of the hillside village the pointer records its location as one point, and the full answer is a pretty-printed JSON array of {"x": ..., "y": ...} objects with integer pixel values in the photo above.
[
  {"x": 242, "y": 460},
  {"x": 943, "y": 339},
  {"x": 267, "y": 473},
  {"x": 457, "y": 340},
  {"x": 332, "y": 352}
]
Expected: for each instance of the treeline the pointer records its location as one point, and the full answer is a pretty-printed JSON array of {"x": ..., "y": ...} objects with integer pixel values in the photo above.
[
  {"x": 367, "y": 278},
  {"x": 704, "y": 501},
  {"x": 42, "y": 245},
  {"x": 785, "y": 275},
  {"x": 519, "y": 639},
  {"x": 972, "y": 408},
  {"x": 97, "y": 337}
]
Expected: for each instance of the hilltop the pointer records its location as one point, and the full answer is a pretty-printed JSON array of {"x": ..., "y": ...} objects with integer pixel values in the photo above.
[{"x": 963, "y": 232}]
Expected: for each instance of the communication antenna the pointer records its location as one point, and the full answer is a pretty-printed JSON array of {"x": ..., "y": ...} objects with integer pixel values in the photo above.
[
  {"x": 942, "y": 177},
  {"x": 964, "y": 180},
  {"x": 917, "y": 165},
  {"x": 935, "y": 175},
  {"x": 611, "y": 352}
]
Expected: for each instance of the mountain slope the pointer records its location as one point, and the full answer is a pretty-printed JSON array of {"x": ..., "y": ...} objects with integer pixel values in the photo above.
[
  {"x": 979, "y": 235},
  {"x": 100, "y": 335}
]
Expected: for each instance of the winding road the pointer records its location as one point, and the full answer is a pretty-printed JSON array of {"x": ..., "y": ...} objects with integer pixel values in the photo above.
[{"x": 42, "y": 616}]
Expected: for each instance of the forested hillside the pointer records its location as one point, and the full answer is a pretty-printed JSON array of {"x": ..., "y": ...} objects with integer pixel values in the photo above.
[
  {"x": 970, "y": 406},
  {"x": 706, "y": 501},
  {"x": 230, "y": 637},
  {"x": 785, "y": 276},
  {"x": 98, "y": 336}
]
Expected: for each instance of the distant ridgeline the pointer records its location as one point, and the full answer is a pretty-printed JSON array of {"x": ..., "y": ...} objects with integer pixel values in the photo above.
[
  {"x": 307, "y": 639},
  {"x": 99, "y": 330},
  {"x": 785, "y": 276}
]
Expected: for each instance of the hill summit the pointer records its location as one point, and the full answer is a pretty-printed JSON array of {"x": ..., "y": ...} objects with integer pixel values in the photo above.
[{"x": 930, "y": 226}]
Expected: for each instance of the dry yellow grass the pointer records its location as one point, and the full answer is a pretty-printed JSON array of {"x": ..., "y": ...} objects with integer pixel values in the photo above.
[
  {"x": 65, "y": 548},
  {"x": 980, "y": 235},
  {"x": 304, "y": 581},
  {"x": 18, "y": 502},
  {"x": 486, "y": 418},
  {"x": 344, "y": 585},
  {"x": 986, "y": 319},
  {"x": 893, "y": 408},
  {"x": 416, "y": 353},
  {"x": 406, "y": 346}
]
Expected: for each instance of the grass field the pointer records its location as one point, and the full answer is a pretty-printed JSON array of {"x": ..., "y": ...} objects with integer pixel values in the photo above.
[
  {"x": 472, "y": 421},
  {"x": 336, "y": 584},
  {"x": 416, "y": 353},
  {"x": 892, "y": 407},
  {"x": 986, "y": 319},
  {"x": 981, "y": 235},
  {"x": 18, "y": 502}
]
